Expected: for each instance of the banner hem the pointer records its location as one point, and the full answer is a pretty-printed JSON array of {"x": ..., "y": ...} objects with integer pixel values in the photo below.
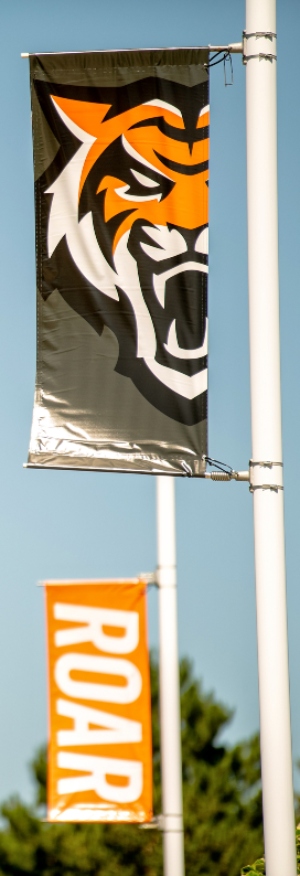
[
  {"x": 169, "y": 470},
  {"x": 91, "y": 817}
]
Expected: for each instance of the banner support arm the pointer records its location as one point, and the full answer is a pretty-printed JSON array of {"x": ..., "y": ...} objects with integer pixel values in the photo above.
[{"x": 233, "y": 48}]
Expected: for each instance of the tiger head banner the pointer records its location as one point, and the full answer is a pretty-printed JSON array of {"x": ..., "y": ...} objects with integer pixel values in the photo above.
[
  {"x": 121, "y": 155},
  {"x": 99, "y": 752}
]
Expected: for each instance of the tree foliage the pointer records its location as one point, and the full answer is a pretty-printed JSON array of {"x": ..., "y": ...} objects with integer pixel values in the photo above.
[
  {"x": 222, "y": 808},
  {"x": 259, "y": 867}
]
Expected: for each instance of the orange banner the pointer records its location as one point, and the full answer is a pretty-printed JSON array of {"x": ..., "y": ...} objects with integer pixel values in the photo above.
[{"x": 99, "y": 758}]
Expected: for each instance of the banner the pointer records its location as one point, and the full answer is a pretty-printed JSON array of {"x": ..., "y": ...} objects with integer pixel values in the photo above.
[
  {"x": 99, "y": 753},
  {"x": 121, "y": 149}
]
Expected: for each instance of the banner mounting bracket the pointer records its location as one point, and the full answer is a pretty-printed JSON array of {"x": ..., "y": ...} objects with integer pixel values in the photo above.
[
  {"x": 227, "y": 476},
  {"x": 224, "y": 471}
]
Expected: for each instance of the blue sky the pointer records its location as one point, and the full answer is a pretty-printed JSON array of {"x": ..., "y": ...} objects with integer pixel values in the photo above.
[{"x": 74, "y": 524}]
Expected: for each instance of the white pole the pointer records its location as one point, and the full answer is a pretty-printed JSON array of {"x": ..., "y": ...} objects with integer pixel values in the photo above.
[
  {"x": 266, "y": 467},
  {"x": 170, "y": 731}
]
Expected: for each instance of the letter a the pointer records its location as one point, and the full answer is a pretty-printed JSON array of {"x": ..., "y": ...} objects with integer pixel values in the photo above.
[{"x": 118, "y": 729}]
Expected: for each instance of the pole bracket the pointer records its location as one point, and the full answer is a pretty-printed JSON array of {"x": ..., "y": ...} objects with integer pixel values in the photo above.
[
  {"x": 224, "y": 471},
  {"x": 267, "y": 34},
  {"x": 265, "y": 464},
  {"x": 267, "y": 56},
  {"x": 166, "y": 823},
  {"x": 259, "y": 34},
  {"x": 150, "y": 579},
  {"x": 165, "y": 577},
  {"x": 274, "y": 487},
  {"x": 154, "y": 824}
]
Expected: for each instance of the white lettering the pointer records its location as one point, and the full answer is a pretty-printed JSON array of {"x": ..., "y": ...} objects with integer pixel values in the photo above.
[
  {"x": 118, "y": 729},
  {"x": 106, "y": 693},
  {"x": 99, "y": 769},
  {"x": 94, "y": 619}
]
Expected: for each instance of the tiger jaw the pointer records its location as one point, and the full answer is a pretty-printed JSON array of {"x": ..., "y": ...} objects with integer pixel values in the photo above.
[
  {"x": 159, "y": 285},
  {"x": 172, "y": 345},
  {"x": 187, "y": 385}
]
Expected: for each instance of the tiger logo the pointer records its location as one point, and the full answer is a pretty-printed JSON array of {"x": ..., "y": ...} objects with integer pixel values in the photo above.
[{"x": 125, "y": 208}]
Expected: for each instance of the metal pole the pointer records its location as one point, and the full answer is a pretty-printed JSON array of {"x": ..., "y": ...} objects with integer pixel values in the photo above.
[
  {"x": 170, "y": 731},
  {"x": 266, "y": 467}
]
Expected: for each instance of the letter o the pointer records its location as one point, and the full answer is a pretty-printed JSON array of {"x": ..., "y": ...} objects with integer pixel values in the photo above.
[{"x": 106, "y": 693}]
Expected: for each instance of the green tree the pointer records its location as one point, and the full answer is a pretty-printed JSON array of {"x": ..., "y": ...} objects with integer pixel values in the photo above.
[
  {"x": 259, "y": 867},
  {"x": 222, "y": 808}
]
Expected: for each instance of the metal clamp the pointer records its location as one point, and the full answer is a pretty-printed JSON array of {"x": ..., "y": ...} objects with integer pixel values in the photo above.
[
  {"x": 156, "y": 823},
  {"x": 268, "y": 34},
  {"x": 264, "y": 463},
  {"x": 274, "y": 487},
  {"x": 268, "y": 56},
  {"x": 150, "y": 578},
  {"x": 259, "y": 34}
]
